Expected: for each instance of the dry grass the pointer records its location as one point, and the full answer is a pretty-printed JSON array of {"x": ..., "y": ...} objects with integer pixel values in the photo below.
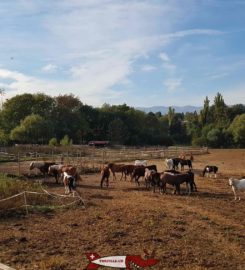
[{"x": 201, "y": 231}]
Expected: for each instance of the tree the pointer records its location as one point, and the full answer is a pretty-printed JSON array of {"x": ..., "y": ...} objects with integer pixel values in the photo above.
[
  {"x": 214, "y": 137},
  {"x": 15, "y": 110},
  {"x": 220, "y": 111},
  {"x": 118, "y": 131},
  {"x": 66, "y": 117},
  {"x": 31, "y": 129},
  {"x": 171, "y": 113},
  {"x": 3, "y": 137},
  {"x": 204, "y": 113},
  {"x": 237, "y": 128}
]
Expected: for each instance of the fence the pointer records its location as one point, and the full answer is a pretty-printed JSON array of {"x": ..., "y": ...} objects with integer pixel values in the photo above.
[
  {"x": 30, "y": 199},
  {"x": 91, "y": 157}
]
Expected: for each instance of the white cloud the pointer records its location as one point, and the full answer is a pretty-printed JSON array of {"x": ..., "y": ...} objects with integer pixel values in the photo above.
[
  {"x": 50, "y": 68},
  {"x": 148, "y": 68},
  {"x": 164, "y": 57},
  {"x": 172, "y": 84}
]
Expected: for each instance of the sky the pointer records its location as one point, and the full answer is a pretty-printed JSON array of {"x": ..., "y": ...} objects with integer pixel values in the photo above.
[{"x": 140, "y": 52}]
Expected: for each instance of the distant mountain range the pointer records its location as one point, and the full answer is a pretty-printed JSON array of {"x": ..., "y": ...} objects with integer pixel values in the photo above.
[{"x": 164, "y": 110}]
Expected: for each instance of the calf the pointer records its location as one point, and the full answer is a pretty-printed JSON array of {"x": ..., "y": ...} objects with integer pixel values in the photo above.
[{"x": 237, "y": 185}]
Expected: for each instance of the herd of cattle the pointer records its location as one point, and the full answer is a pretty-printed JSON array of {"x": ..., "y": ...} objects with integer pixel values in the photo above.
[{"x": 152, "y": 178}]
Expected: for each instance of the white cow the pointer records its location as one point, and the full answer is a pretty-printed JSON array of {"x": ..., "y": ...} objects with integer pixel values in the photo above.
[
  {"x": 237, "y": 185},
  {"x": 140, "y": 163}
]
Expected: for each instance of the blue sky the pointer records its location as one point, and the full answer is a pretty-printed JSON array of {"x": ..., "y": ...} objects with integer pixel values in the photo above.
[{"x": 142, "y": 53}]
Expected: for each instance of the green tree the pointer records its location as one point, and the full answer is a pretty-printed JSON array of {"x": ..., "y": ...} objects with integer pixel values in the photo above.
[
  {"x": 171, "y": 113},
  {"x": 237, "y": 128},
  {"x": 220, "y": 111},
  {"x": 3, "y": 137},
  {"x": 31, "y": 129},
  {"x": 204, "y": 113},
  {"x": 118, "y": 131},
  {"x": 214, "y": 137}
]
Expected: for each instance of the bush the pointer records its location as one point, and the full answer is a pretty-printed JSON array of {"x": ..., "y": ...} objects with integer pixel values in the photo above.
[
  {"x": 65, "y": 141},
  {"x": 53, "y": 142}
]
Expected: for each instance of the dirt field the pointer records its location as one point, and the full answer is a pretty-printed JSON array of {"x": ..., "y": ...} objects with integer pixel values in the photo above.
[{"x": 203, "y": 231}]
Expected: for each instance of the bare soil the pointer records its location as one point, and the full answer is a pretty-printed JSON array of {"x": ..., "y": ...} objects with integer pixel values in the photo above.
[{"x": 203, "y": 231}]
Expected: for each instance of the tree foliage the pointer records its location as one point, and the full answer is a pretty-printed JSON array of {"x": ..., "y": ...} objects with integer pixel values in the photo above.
[{"x": 40, "y": 118}]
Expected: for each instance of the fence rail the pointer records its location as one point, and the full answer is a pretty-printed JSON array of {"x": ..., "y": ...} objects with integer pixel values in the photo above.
[{"x": 94, "y": 157}]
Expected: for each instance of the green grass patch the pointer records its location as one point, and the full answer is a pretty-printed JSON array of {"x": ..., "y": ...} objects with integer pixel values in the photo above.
[{"x": 10, "y": 186}]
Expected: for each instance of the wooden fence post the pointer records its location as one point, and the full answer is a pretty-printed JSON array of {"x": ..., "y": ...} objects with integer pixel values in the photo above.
[{"x": 25, "y": 201}]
